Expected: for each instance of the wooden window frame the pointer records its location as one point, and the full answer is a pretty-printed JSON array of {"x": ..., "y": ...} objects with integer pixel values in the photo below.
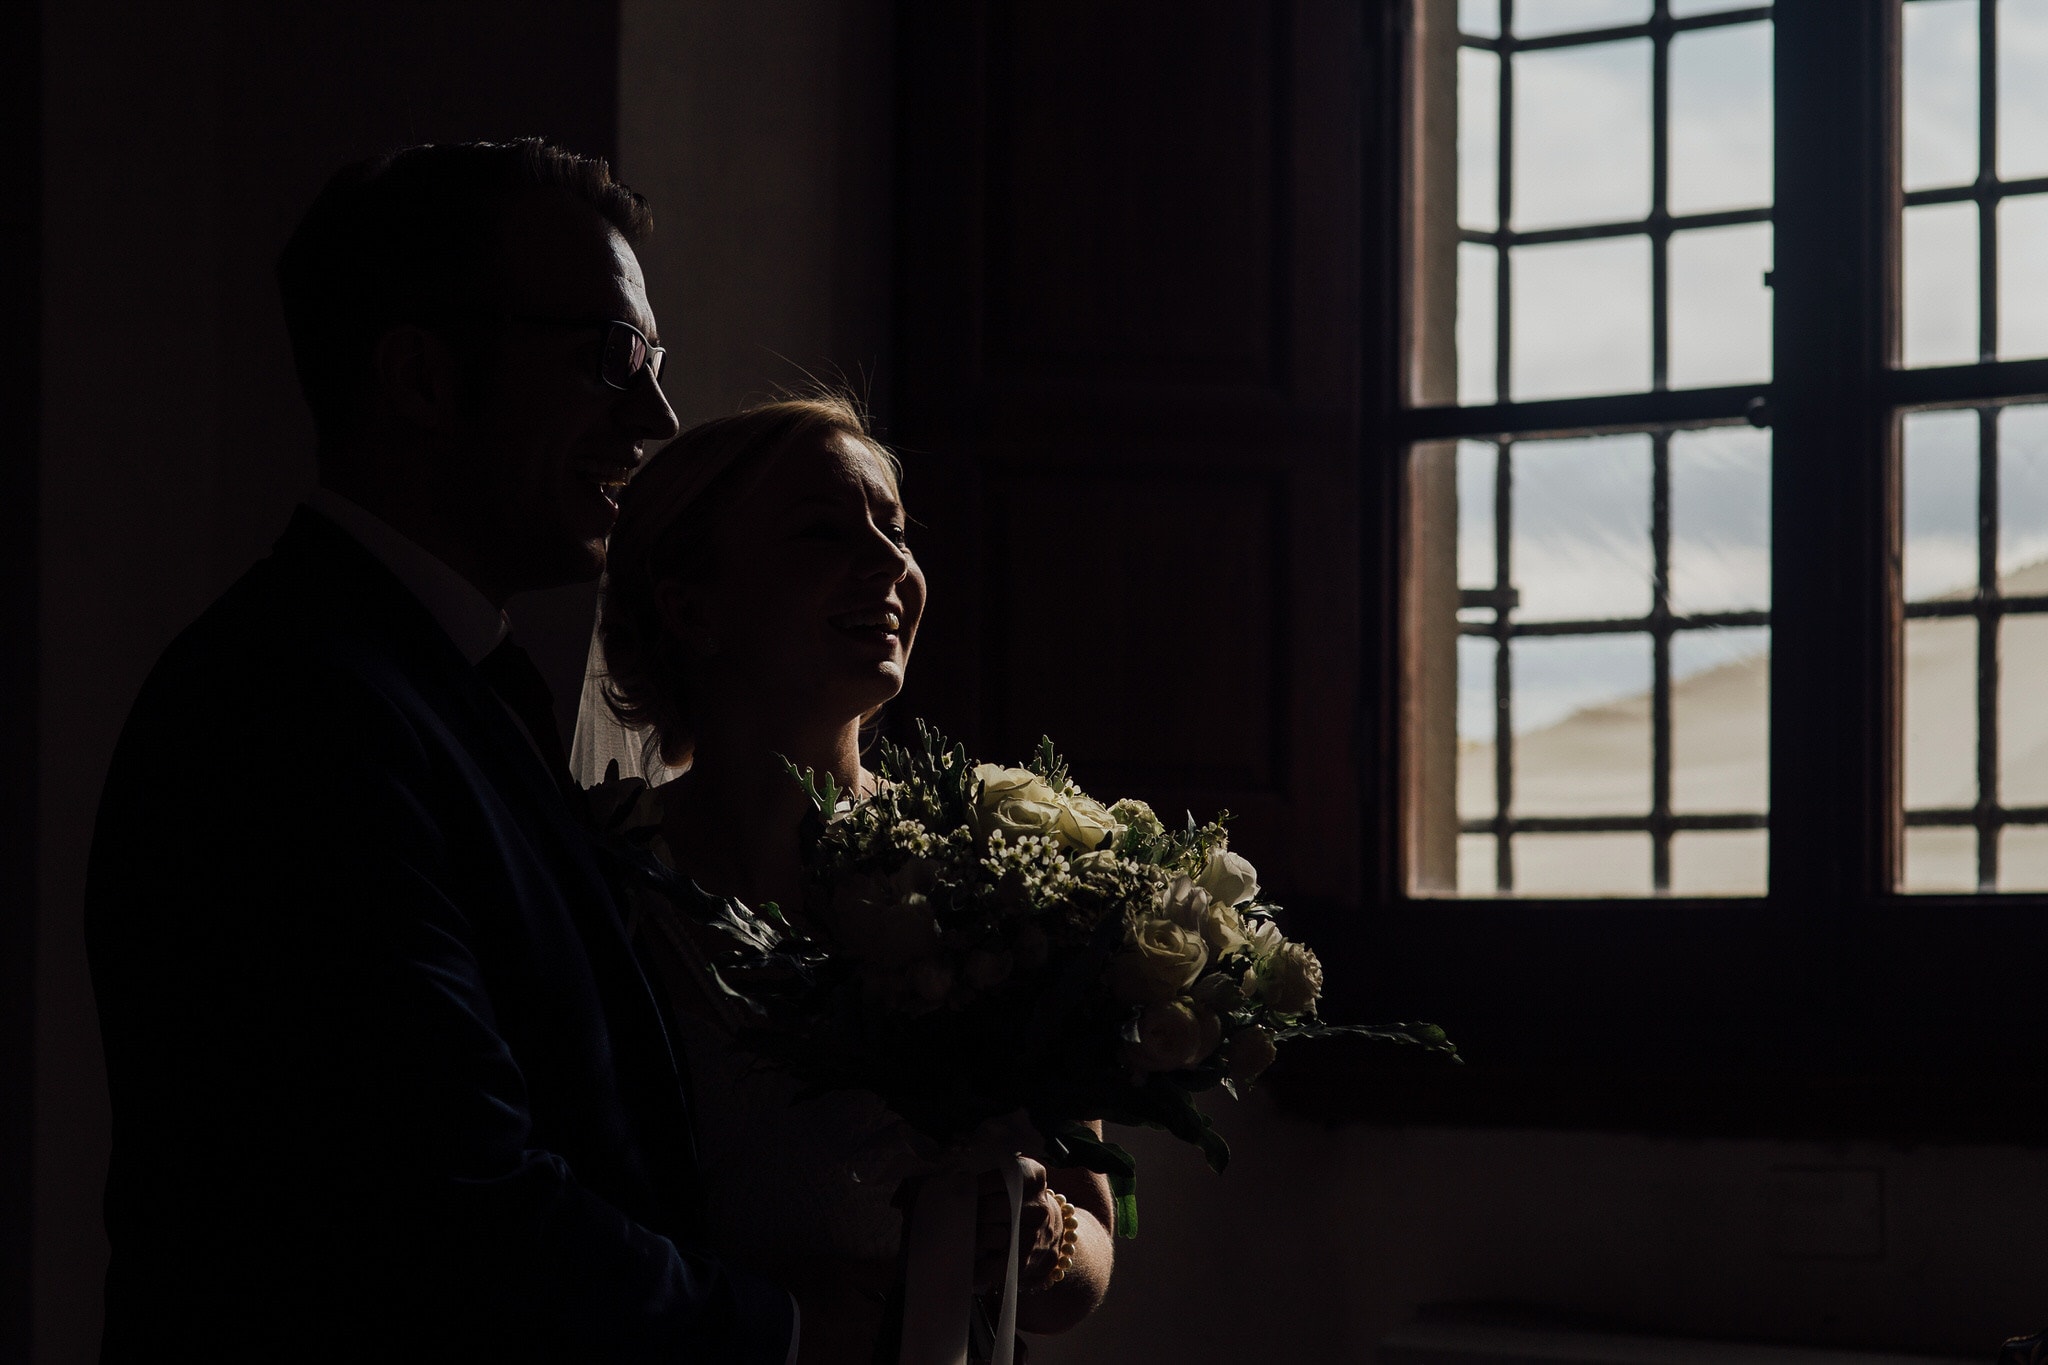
[{"x": 1833, "y": 1005}]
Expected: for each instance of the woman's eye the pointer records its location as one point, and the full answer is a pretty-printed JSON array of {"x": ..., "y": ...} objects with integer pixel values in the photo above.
[{"x": 898, "y": 536}]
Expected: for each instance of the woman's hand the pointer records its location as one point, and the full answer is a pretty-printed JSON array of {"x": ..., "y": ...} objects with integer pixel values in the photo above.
[
  {"x": 843, "y": 1303},
  {"x": 1038, "y": 1230}
]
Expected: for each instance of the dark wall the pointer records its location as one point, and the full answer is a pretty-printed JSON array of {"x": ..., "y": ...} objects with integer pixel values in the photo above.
[
  {"x": 1127, "y": 391},
  {"x": 182, "y": 139},
  {"x": 307, "y": 87},
  {"x": 20, "y": 291}
]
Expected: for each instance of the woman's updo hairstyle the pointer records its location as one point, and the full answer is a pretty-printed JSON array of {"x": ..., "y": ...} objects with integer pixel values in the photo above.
[{"x": 668, "y": 529}]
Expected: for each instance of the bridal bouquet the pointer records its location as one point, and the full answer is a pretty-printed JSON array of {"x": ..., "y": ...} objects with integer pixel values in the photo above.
[{"x": 979, "y": 940}]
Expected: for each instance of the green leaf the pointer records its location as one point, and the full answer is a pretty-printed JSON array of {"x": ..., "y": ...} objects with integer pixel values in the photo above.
[
  {"x": 823, "y": 790},
  {"x": 1074, "y": 1144},
  {"x": 1048, "y": 765},
  {"x": 1123, "y": 1191},
  {"x": 1428, "y": 1037},
  {"x": 1180, "y": 1116}
]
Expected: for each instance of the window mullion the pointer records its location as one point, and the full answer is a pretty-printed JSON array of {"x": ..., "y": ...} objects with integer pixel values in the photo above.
[{"x": 1834, "y": 764}]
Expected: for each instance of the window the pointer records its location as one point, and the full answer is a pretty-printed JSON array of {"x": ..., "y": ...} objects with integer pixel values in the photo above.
[
  {"x": 1612, "y": 219},
  {"x": 1975, "y": 237},
  {"x": 1595, "y": 424}
]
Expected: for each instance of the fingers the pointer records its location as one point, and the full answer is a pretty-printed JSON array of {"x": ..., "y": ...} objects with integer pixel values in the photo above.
[{"x": 1038, "y": 1227}]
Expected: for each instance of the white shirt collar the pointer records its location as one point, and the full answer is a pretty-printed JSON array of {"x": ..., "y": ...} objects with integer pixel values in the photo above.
[{"x": 464, "y": 613}]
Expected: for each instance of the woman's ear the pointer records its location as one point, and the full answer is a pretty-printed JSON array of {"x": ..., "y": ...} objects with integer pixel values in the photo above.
[
  {"x": 685, "y": 616},
  {"x": 418, "y": 378}
]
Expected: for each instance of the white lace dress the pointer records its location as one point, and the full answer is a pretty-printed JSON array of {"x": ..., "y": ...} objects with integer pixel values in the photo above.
[{"x": 783, "y": 1177}]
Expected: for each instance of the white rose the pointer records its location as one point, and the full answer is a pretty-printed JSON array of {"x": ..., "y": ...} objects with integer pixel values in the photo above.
[
  {"x": 931, "y": 981},
  {"x": 1159, "y": 960},
  {"x": 1218, "y": 991},
  {"x": 1229, "y": 879},
  {"x": 1184, "y": 903},
  {"x": 1291, "y": 979},
  {"x": 1015, "y": 802},
  {"x": 1101, "y": 860},
  {"x": 985, "y": 969},
  {"x": 1193, "y": 908},
  {"x": 1222, "y": 929},
  {"x": 1249, "y": 1052},
  {"x": 1173, "y": 1037},
  {"x": 1264, "y": 939},
  {"x": 1084, "y": 824},
  {"x": 1018, "y": 801}
]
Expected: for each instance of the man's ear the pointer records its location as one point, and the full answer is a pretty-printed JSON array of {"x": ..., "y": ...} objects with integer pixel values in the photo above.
[
  {"x": 418, "y": 378},
  {"x": 684, "y": 616}
]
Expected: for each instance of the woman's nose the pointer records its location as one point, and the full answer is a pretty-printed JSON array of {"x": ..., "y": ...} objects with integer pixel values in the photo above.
[{"x": 891, "y": 561}]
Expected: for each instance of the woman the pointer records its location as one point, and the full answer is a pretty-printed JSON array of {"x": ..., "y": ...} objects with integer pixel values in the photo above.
[{"x": 761, "y": 602}]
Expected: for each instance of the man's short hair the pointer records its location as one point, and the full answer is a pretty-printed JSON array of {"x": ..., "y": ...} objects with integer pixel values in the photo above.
[{"x": 411, "y": 237}]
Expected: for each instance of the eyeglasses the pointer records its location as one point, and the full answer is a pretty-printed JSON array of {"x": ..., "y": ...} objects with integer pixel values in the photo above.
[{"x": 626, "y": 351}]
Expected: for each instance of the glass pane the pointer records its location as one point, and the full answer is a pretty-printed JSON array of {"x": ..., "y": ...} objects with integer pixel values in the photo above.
[
  {"x": 1582, "y": 864},
  {"x": 1720, "y": 119},
  {"x": 1478, "y": 138},
  {"x": 2023, "y": 500},
  {"x": 1581, "y": 514},
  {"x": 2023, "y": 857},
  {"x": 2023, "y": 277},
  {"x": 1480, "y": 18},
  {"x": 1720, "y": 520},
  {"x": 1721, "y": 720},
  {"x": 1941, "y": 505},
  {"x": 1476, "y": 864},
  {"x": 2022, "y": 719},
  {"x": 1477, "y": 283},
  {"x": 1581, "y": 318},
  {"x": 1941, "y": 284},
  {"x": 2022, "y": 89},
  {"x": 1534, "y": 18},
  {"x": 1719, "y": 863},
  {"x": 1685, "y": 9},
  {"x": 1941, "y": 859},
  {"x": 1476, "y": 796},
  {"x": 1582, "y": 724},
  {"x": 1941, "y": 713},
  {"x": 1477, "y": 464},
  {"x": 1940, "y": 93},
  {"x": 1582, "y": 135},
  {"x": 1720, "y": 309}
]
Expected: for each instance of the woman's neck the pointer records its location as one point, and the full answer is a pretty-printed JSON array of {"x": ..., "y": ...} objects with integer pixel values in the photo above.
[{"x": 735, "y": 817}]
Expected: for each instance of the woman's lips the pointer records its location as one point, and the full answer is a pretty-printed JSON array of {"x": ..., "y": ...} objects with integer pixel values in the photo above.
[
  {"x": 875, "y": 627},
  {"x": 869, "y": 618}
]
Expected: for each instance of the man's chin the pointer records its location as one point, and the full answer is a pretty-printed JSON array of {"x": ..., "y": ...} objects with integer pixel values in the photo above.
[{"x": 560, "y": 564}]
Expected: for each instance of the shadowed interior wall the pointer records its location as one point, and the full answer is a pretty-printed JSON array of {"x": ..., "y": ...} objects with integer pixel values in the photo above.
[
  {"x": 761, "y": 132},
  {"x": 182, "y": 140},
  {"x": 1319, "y": 1241},
  {"x": 20, "y": 399}
]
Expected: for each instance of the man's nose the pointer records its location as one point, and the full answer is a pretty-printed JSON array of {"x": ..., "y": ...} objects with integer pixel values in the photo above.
[{"x": 645, "y": 410}]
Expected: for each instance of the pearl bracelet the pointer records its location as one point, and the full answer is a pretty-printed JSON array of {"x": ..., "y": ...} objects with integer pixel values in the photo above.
[{"x": 1070, "y": 1234}]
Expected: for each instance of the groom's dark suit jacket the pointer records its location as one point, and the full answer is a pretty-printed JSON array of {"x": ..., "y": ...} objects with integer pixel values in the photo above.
[{"x": 387, "y": 1081}]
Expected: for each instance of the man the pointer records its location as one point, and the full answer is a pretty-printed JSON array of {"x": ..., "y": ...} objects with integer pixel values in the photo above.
[{"x": 387, "y": 1080}]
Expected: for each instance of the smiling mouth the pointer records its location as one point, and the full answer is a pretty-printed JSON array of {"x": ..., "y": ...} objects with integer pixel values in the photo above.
[
  {"x": 879, "y": 624},
  {"x": 609, "y": 480}
]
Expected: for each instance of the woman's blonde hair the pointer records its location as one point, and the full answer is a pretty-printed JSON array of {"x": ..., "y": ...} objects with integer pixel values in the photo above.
[{"x": 668, "y": 530}]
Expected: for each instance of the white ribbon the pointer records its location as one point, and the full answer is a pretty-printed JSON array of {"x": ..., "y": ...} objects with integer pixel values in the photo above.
[{"x": 939, "y": 1240}]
